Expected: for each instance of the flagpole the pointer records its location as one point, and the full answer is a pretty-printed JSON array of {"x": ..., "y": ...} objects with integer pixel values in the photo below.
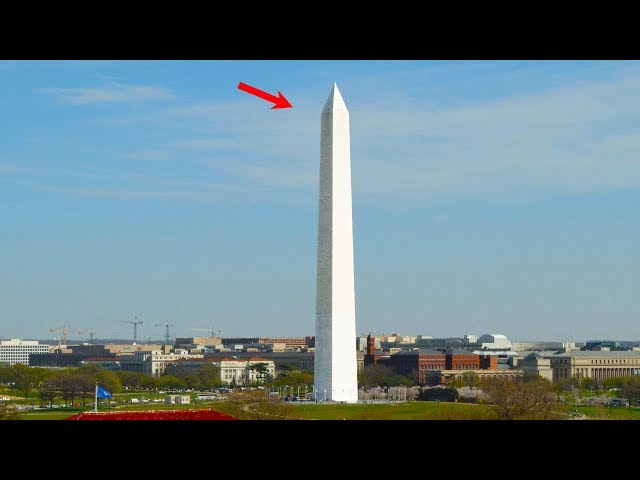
[{"x": 95, "y": 409}]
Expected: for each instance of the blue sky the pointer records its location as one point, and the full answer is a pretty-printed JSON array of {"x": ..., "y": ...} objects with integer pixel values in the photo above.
[{"x": 488, "y": 197}]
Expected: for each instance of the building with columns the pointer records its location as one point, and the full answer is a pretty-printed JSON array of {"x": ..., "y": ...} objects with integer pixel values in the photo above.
[
  {"x": 236, "y": 370},
  {"x": 598, "y": 365}
]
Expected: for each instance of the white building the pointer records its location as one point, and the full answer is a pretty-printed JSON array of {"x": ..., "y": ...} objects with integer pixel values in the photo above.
[
  {"x": 239, "y": 371},
  {"x": 17, "y": 351},
  {"x": 152, "y": 362},
  {"x": 177, "y": 399},
  {"x": 494, "y": 341}
]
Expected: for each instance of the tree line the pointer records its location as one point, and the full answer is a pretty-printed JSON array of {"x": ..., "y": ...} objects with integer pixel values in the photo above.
[{"x": 78, "y": 383}]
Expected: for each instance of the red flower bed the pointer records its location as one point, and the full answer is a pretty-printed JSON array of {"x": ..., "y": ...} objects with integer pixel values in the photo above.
[{"x": 204, "y": 414}]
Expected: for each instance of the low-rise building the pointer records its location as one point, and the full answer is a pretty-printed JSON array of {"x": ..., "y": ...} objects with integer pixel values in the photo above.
[
  {"x": 197, "y": 343},
  {"x": 18, "y": 351},
  {"x": 598, "y": 365},
  {"x": 282, "y": 360},
  {"x": 238, "y": 371},
  {"x": 177, "y": 399},
  {"x": 123, "y": 348},
  {"x": 289, "y": 342},
  {"x": 71, "y": 356},
  {"x": 536, "y": 363},
  {"x": 107, "y": 362},
  {"x": 429, "y": 366},
  {"x": 152, "y": 362}
]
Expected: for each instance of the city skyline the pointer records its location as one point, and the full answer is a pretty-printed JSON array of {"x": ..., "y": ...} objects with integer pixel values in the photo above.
[{"x": 488, "y": 197}]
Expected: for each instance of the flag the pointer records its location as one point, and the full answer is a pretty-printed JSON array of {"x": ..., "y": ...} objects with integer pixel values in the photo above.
[{"x": 102, "y": 393}]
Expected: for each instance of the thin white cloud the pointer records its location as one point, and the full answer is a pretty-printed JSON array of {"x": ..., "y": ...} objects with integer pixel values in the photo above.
[
  {"x": 205, "y": 109},
  {"x": 206, "y": 144},
  {"x": 149, "y": 189},
  {"x": 149, "y": 155},
  {"x": 113, "y": 93},
  {"x": 573, "y": 138},
  {"x": 578, "y": 136},
  {"x": 288, "y": 176},
  {"x": 122, "y": 184},
  {"x": 7, "y": 169}
]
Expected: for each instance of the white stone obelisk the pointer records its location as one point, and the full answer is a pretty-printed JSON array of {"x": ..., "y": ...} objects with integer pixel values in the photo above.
[{"x": 335, "y": 363}]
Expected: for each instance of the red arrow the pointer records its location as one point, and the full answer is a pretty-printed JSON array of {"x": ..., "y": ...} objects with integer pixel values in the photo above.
[{"x": 279, "y": 102}]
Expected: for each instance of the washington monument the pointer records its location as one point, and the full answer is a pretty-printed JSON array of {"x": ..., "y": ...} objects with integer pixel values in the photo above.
[{"x": 335, "y": 363}]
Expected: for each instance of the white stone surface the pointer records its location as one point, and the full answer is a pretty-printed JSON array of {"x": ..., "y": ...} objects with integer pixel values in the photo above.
[{"x": 335, "y": 362}]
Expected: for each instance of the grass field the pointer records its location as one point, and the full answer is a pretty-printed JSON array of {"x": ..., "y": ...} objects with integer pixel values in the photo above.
[
  {"x": 312, "y": 411},
  {"x": 393, "y": 411},
  {"x": 379, "y": 411},
  {"x": 610, "y": 413},
  {"x": 62, "y": 413}
]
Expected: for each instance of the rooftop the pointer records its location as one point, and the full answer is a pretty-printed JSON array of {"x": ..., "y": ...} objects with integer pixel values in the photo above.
[{"x": 599, "y": 354}]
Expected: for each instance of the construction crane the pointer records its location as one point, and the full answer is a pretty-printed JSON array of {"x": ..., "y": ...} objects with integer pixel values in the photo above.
[
  {"x": 89, "y": 331},
  {"x": 166, "y": 335},
  {"x": 64, "y": 332},
  {"x": 211, "y": 331},
  {"x": 135, "y": 322}
]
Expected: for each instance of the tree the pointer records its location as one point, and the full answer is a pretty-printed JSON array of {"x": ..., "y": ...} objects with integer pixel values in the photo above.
[
  {"x": 400, "y": 394},
  {"x": 438, "y": 394},
  {"x": 258, "y": 405},
  {"x": 588, "y": 383},
  {"x": 132, "y": 379},
  {"x": 533, "y": 398},
  {"x": 381, "y": 375},
  {"x": 87, "y": 386},
  {"x": 48, "y": 392},
  {"x": 613, "y": 382},
  {"x": 470, "y": 394},
  {"x": 470, "y": 379},
  {"x": 8, "y": 411},
  {"x": 149, "y": 382},
  {"x": 363, "y": 395},
  {"x": 564, "y": 385},
  {"x": 209, "y": 375},
  {"x": 631, "y": 390},
  {"x": 261, "y": 369},
  {"x": 108, "y": 380},
  {"x": 25, "y": 379},
  {"x": 284, "y": 367},
  {"x": 171, "y": 382},
  {"x": 412, "y": 393},
  {"x": 466, "y": 379},
  {"x": 91, "y": 368},
  {"x": 69, "y": 384},
  {"x": 205, "y": 377},
  {"x": 374, "y": 394},
  {"x": 6, "y": 373},
  {"x": 295, "y": 377}
]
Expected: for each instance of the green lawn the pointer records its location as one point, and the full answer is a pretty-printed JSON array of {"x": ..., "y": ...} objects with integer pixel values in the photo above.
[
  {"x": 392, "y": 411},
  {"x": 590, "y": 393},
  {"x": 53, "y": 414},
  {"x": 312, "y": 411},
  {"x": 379, "y": 411},
  {"x": 610, "y": 413},
  {"x": 62, "y": 413}
]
